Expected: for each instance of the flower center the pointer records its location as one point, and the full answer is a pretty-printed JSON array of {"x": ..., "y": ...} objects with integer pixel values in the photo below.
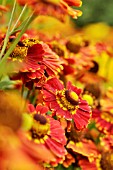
[
  {"x": 57, "y": 50},
  {"x": 67, "y": 99},
  {"x": 95, "y": 67},
  {"x": 30, "y": 42},
  {"x": 40, "y": 128},
  {"x": 93, "y": 89},
  {"x": 19, "y": 52},
  {"x": 21, "y": 49},
  {"x": 72, "y": 97}
]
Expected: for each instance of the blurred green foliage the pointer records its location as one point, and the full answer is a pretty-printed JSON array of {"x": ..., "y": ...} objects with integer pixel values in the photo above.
[
  {"x": 96, "y": 11},
  {"x": 60, "y": 167}
]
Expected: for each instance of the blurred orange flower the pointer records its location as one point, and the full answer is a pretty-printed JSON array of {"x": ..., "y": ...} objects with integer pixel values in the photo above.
[{"x": 58, "y": 9}]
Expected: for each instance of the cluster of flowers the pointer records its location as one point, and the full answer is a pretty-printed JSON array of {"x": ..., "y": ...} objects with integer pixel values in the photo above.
[{"x": 56, "y": 93}]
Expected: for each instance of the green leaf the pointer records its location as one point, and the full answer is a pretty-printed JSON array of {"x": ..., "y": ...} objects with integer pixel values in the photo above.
[
  {"x": 78, "y": 168},
  {"x": 6, "y": 83},
  {"x": 19, "y": 28},
  {"x": 20, "y": 16},
  {"x": 61, "y": 167},
  {"x": 49, "y": 113},
  {"x": 8, "y": 30},
  {"x": 8, "y": 68}
]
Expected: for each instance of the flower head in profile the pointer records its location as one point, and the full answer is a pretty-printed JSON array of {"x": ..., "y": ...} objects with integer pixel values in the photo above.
[
  {"x": 104, "y": 116},
  {"x": 67, "y": 102},
  {"x": 74, "y": 13},
  {"x": 46, "y": 131},
  {"x": 3, "y": 8},
  {"x": 69, "y": 159},
  {"x": 85, "y": 164},
  {"x": 58, "y": 9},
  {"x": 107, "y": 141},
  {"x": 104, "y": 121},
  {"x": 89, "y": 155},
  {"x": 83, "y": 148},
  {"x": 37, "y": 60},
  {"x": 103, "y": 159},
  {"x": 76, "y": 3}
]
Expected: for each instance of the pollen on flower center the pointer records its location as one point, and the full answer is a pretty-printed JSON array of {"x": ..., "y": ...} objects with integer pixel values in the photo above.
[
  {"x": 21, "y": 49},
  {"x": 30, "y": 42},
  {"x": 72, "y": 97},
  {"x": 67, "y": 99},
  {"x": 40, "y": 128}
]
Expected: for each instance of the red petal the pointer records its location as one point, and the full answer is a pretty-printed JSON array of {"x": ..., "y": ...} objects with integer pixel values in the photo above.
[
  {"x": 31, "y": 107},
  {"x": 41, "y": 109},
  {"x": 48, "y": 96},
  {"x": 54, "y": 84},
  {"x": 57, "y": 133},
  {"x": 81, "y": 119},
  {"x": 57, "y": 148},
  {"x": 73, "y": 88}
]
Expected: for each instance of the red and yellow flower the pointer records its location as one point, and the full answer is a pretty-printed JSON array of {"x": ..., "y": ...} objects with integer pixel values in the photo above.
[
  {"x": 3, "y": 8},
  {"x": 104, "y": 161},
  {"x": 14, "y": 154},
  {"x": 69, "y": 159},
  {"x": 58, "y": 9},
  {"x": 85, "y": 164},
  {"x": 67, "y": 102},
  {"x": 76, "y": 3},
  {"x": 104, "y": 121},
  {"x": 83, "y": 148},
  {"x": 37, "y": 60},
  {"x": 107, "y": 141},
  {"x": 92, "y": 156},
  {"x": 46, "y": 132}
]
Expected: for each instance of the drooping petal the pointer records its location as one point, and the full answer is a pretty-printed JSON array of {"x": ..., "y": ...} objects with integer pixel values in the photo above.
[
  {"x": 53, "y": 84},
  {"x": 86, "y": 148},
  {"x": 56, "y": 147},
  {"x": 73, "y": 88}
]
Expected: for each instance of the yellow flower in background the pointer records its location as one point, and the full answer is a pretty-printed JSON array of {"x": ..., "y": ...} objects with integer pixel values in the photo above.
[
  {"x": 11, "y": 108},
  {"x": 97, "y": 31},
  {"x": 53, "y": 27}
]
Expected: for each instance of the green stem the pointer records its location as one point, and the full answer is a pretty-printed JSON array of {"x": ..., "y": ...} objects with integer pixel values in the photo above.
[
  {"x": 8, "y": 30},
  {"x": 34, "y": 97},
  {"x": 22, "y": 90},
  {"x": 28, "y": 94},
  {"x": 9, "y": 51},
  {"x": 22, "y": 12},
  {"x": 19, "y": 27}
]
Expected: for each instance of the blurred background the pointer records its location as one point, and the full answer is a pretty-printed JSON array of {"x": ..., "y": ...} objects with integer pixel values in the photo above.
[{"x": 96, "y": 11}]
